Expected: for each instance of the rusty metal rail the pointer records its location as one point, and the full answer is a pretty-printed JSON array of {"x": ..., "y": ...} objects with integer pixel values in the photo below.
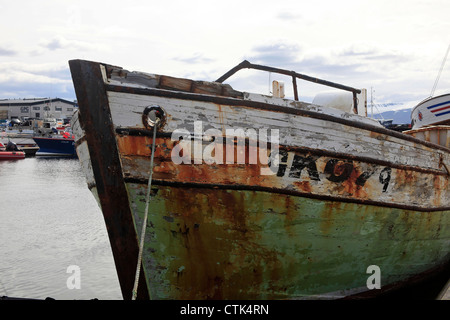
[{"x": 247, "y": 65}]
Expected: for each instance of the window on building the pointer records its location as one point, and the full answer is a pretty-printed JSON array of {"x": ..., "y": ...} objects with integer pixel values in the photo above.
[
  {"x": 36, "y": 108},
  {"x": 24, "y": 109}
]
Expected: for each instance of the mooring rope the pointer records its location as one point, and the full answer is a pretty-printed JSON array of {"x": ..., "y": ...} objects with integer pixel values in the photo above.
[{"x": 144, "y": 223}]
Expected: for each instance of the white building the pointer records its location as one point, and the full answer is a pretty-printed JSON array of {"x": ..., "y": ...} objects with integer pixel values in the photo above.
[{"x": 38, "y": 108}]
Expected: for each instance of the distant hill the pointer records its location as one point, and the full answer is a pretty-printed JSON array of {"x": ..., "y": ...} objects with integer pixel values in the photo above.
[{"x": 400, "y": 113}]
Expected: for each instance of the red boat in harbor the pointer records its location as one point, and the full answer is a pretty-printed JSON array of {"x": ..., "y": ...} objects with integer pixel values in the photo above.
[{"x": 10, "y": 152}]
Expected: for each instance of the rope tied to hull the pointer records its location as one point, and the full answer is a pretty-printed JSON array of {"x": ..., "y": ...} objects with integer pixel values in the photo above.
[{"x": 144, "y": 223}]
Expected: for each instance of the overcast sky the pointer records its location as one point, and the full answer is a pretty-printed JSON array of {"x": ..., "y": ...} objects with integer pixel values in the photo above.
[{"x": 395, "y": 47}]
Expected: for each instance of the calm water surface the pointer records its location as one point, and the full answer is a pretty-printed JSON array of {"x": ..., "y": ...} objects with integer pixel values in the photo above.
[{"x": 49, "y": 221}]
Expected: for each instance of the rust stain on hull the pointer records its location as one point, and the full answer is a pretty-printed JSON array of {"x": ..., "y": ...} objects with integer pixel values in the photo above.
[
  {"x": 204, "y": 243},
  {"x": 319, "y": 176}
]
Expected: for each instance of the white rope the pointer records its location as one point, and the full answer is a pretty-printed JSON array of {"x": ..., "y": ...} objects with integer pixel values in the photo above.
[
  {"x": 144, "y": 223},
  {"x": 440, "y": 71}
]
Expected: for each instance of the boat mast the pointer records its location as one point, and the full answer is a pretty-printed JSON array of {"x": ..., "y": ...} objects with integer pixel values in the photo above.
[{"x": 371, "y": 100}]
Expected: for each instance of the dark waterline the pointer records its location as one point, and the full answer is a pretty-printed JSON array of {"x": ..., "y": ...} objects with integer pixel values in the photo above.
[{"x": 49, "y": 221}]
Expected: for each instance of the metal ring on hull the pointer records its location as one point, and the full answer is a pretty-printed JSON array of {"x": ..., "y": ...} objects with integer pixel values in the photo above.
[{"x": 151, "y": 114}]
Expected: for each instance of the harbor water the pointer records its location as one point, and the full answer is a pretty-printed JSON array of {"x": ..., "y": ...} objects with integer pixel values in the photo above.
[{"x": 54, "y": 241}]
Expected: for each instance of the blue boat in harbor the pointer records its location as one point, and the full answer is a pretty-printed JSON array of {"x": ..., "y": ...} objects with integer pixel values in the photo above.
[
  {"x": 58, "y": 145},
  {"x": 54, "y": 139}
]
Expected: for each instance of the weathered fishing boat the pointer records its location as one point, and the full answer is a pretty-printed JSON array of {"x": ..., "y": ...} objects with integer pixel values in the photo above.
[{"x": 252, "y": 196}]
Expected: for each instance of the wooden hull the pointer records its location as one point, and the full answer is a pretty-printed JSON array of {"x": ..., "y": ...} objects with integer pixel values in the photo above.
[{"x": 345, "y": 195}]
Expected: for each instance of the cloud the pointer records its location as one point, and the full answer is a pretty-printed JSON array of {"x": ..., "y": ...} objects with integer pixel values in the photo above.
[
  {"x": 54, "y": 44},
  {"x": 31, "y": 89},
  {"x": 49, "y": 71},
  {"x": 60, "y": 42},
  {"x": 372, "y": 54},
  {"x": 196, "y": 58},
  {"x": 7, "y": 52},
  {"x": 288, "y": 16},
  {"x": 21, "y": 80},
  {"x": 276, "y": 54},
  {"x": 292, "y": 56}
]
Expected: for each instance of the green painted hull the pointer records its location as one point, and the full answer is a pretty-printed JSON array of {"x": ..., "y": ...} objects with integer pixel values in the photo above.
[{"x": 233, "y": 244}]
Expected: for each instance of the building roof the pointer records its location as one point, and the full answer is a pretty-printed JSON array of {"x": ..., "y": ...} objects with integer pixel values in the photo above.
[{"x": 32, "y": 101}]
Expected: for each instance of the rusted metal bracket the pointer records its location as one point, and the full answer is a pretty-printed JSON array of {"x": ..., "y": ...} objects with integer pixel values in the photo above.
[{"x": 247, "y": 65}]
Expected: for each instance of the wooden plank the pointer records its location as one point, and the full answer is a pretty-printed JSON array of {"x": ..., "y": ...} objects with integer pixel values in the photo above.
[
  {"x": 134, "y": 79},
  {"x": 166, "y": 82},
  {"x": 294, "y": 130}
]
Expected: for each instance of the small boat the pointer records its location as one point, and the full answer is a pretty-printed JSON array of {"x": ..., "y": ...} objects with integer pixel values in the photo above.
[
  {"x": 430, "y": 120},
  {"x": 330, "y": 203},
  {"x": 10, "y": 152},
  {"x": 431, "y": 111},
  {"x": 54, "y": 139},
  {"x": 27, "y": 145},
  {"x": 56, "y": 146}
]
